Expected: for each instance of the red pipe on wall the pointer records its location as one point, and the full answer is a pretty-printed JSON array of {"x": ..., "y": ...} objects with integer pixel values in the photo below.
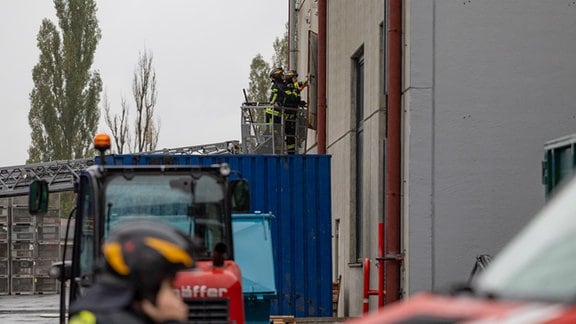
[
  {"x": 367, "y": 292},
  {"x": 393, "y": 256},
  {"x": 381, "y": 265},
  {"x": 366, "y": 287},
  {"x": 321, "y": 78}
]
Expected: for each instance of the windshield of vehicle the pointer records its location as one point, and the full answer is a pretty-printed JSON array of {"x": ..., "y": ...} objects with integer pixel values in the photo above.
[
  {"x": 194, "y": 205},
  {"x": 540, "y": 263}
]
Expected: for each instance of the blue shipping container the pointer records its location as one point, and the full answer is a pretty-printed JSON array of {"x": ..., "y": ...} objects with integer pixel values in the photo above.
[{"x": 296, "y": 189}]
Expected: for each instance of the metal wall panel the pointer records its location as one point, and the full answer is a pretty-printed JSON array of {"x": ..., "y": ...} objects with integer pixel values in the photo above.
[
  {"x": 296, "y": 189},
  {"x": 559, "y": 162}
]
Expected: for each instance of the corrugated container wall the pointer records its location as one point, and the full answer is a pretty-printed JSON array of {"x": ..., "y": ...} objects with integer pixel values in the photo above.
[{"x": 296, "y": 189}]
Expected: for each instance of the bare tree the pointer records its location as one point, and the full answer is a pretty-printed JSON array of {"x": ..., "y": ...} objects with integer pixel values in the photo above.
[
  {"x": 118, "y": 125},
  {"x": 144, "y": 90},
  {"x": 145, "y": 129}
]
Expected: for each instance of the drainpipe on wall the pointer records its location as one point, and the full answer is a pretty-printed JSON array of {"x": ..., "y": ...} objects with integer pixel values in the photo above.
[
  {"x": 292, "y": 36},
  {"x": 321, "y": 78},
  {"x": 393, "y": 256}
]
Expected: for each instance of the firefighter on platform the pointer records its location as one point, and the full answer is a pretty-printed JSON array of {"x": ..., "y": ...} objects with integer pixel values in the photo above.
[
  {"x": 292, "y": 79},
  {"x": 135, "y": 282},
  {"x": 277, "y": 99},
  {"x": 292, "y": 102},
  {"x": 277, "y": 86}
]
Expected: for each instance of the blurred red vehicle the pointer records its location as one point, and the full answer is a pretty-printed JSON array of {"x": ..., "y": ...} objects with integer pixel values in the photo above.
[{"x": 532, "y": 280}]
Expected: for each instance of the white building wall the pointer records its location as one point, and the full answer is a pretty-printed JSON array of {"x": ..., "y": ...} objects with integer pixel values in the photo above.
[
  {"x": 352, "y": 27},
  {"x": 485, "y": 84}
]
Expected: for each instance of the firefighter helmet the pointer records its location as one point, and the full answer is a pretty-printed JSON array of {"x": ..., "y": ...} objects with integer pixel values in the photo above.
[
  {"x": 277, "y": 74},
  {"x": 146, "y": 252},
  {"x": 290, "y": 74}
]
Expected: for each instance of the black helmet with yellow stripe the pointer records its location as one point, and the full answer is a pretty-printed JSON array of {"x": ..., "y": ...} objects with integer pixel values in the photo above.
[
  {"x": 277, "y": 74},
  {"x": 146, "y": 252},
  {"x": 291, "y": 74}
]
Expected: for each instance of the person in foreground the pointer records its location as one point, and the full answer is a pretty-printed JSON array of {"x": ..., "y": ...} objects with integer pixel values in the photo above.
[{"x": 135, "y": 282}]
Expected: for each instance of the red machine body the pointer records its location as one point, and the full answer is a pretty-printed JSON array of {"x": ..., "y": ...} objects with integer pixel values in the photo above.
[{"x": 212, "y": 292}]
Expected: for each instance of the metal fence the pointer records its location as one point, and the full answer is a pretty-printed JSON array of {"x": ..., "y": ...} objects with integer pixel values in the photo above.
[{"x": 28, "y": 246}]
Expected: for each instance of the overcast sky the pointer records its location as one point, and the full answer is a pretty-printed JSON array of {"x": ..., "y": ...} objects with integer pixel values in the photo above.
[{"x": 202, "y": 54}]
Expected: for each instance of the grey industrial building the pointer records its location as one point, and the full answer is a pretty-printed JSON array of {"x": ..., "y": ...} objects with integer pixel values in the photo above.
[{"x": 484, "y": 84}]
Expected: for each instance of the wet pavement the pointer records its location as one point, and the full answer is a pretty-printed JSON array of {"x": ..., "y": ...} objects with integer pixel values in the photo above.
[
  {"x": 30, "y": 309},
  {"x": 45, "y": 309}
]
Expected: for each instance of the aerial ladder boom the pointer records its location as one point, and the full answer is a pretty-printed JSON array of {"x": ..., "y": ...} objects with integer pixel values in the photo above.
[{"x": 61, "y": 175}]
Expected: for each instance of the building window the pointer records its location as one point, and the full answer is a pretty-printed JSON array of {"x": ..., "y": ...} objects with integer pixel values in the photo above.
[
  {"x": 312, "y": 85},
  {"x": 358, "y": 100},
  {"x": 384, "y": 86}
]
